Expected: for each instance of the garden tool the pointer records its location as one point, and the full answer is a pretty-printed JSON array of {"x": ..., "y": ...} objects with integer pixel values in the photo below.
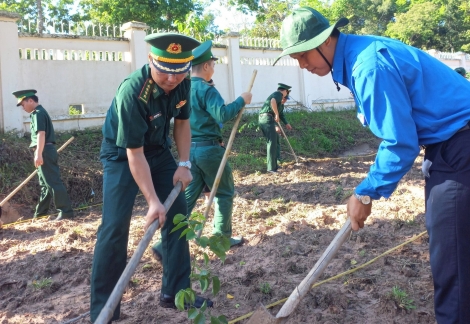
[
  {"x": 29, "y": 178},
  {"x": 262, "y": 316},
  {"x": 215, "y": 185},
  {"x": 285, "y": 136},
  {"x": 107, "y": 312}
]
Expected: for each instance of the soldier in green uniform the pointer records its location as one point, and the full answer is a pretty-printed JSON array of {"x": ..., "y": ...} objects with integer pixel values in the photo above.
[
  {"x": 135, "y": 155},
  {"x": 208, "y": 112},
  {"x": 269, "y": 115},
  {"x": 45, "y": 157}
]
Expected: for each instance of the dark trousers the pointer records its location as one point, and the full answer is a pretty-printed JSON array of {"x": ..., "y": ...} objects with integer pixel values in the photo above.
[
  {"x": 52, "y": 187},
  {"x": 119, "y": 191},
  {"x": 447, "y": 196},
  {"x": 273, "y": 146}
]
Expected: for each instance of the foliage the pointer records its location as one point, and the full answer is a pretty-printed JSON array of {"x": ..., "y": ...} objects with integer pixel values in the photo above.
[
  {"x": 156, "y": 14},
  {"x": 269, "y": 18},
  {"x": 198, "y": 26},
  {"x": 43, "y": 283},
  {"x": 401, "y": 298},
  {"x": 60, "y": 10},
  {"x": 219, "y": 245}
]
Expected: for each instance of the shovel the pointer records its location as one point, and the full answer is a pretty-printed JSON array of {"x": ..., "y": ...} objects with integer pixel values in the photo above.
[
  {"x": 262, "y": 316},
  {"x": 108, "y": 309}
]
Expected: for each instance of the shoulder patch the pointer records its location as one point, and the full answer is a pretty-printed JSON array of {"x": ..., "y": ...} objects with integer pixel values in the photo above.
[{"x": 146, "y": 90}]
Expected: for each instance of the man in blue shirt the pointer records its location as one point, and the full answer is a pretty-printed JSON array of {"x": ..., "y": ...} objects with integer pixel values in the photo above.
[{"x": 409, "y": 99}]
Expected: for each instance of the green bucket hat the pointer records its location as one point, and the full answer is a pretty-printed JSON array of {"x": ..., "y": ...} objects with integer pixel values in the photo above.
[
  {"x": 305, "y": 29},
  {"x": 23, "y": 94}
]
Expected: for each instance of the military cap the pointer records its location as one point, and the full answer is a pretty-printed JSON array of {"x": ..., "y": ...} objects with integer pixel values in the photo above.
[
  {"x": 23, "y": 94},
  {"x": 305, "y": 29},
  {"x": 171, "y": 52},
  {"x": 203, "y": 53},
  {"x": 283, "y": 86},
  {"x": 461, "y": 71}
]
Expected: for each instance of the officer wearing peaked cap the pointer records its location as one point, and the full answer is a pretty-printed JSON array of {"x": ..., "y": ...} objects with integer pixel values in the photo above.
[
  {"x": 135, "y": 155},
  {"x": 269, "y": 116},
  {"x": 409, "y": 99},
  {"x": 208, "y": 112},
  {"x": 45, "y": 156}
]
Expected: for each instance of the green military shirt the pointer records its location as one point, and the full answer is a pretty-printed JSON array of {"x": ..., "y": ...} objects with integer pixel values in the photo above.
[
  {"x": 140, "y": 113},
  {"x": 209, "y": 110},
  {"x": 266, "y": 109},
  {"x": 41, "y": 121}
]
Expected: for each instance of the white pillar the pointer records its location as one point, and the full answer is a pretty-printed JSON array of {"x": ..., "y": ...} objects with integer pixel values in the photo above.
[
  {"x": 232, "y": 40},
  {"x": 135, "y": 32},
  {"x": 11, "y": 117}
]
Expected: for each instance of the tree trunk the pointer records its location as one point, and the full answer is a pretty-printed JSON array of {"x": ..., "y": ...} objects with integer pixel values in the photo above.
[{"x": 40, "y": 26}]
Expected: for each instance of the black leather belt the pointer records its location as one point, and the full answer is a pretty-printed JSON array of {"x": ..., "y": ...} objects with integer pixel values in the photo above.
[
  {"x": 266, "y": 114},
  {"x": 148, "y": 148},
  {"x": 204, "y": 143}
]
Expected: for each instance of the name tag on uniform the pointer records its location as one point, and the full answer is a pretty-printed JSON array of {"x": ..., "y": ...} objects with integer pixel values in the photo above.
[{"x": 155, "y": 116}]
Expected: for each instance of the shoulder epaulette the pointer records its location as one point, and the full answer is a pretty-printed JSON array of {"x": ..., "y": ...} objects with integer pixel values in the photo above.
[{"x": 146, "y": 90}]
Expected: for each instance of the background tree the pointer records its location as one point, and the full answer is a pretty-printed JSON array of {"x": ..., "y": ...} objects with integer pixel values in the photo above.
[{"x": 155, "y": 13}]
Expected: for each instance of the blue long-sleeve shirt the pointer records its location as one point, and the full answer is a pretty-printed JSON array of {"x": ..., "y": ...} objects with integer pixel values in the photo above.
[{"x": 406, "y": 97}]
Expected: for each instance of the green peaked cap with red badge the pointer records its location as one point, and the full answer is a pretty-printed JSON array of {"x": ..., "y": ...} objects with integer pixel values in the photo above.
[
  {"x": 171, "y": 52},
  {"x": 23, "y": 94}
]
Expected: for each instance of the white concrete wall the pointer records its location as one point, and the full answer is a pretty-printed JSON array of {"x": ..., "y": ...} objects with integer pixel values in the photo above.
[{"x": 69, "y": 70}]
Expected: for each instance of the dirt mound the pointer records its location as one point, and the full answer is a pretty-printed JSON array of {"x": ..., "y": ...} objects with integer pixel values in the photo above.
[{"x": 287, "y": 221}]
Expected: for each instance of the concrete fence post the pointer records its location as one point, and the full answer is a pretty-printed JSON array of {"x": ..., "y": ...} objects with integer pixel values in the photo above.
[
  {"x": 135, "y": 32},
  {"x": 232, "y": 40},
  {"x": 11, "y": 117}
]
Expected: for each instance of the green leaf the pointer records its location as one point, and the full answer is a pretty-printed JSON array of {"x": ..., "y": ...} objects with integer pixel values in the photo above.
[
  {"x": 204, "y": 284},
  {"x": 214, "y": 320},
  {"x": 225, "y": 241},
  {"x": 204, "y": 306},
  {"x": 202, "y": 241},
  {"x": 222, "y": 319},
  {"x": 204, "y": 272},
  {"x": 183, "y": 233},
  {"x": 215, "y": 285},
  {"x": 177, "y": 227},
  {"x": 200, "y": 319},
  {"x": 192, "y": 313},
  {"x": 191, "y": 296},
  {"x": 206, "y": 259},
  {"x": 179, "y": 299},
  {"x": 191, "y": 235},
  {"x": 178, "y": 218}
]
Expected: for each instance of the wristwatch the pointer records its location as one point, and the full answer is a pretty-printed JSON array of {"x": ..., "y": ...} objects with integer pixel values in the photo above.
[
  {"x": 186, "y": 164},
  {"x": 366, "y": 200}
]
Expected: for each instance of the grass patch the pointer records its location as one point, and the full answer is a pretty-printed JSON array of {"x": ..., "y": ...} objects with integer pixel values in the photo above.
[
  {"x": 314, "y": 135},
  {"x": 401, "y": 299}
]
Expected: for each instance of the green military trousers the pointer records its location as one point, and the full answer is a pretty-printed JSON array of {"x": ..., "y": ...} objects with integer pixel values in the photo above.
[
  {"x": 52, "y": 186},
  {"x": 119, "y": 192},
  {"x": 273, "y": 145},
  {"x": 205, "y": 162}
]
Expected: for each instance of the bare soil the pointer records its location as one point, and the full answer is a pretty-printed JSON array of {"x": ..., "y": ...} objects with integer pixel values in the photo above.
[{"x": 287, "y": 221}]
